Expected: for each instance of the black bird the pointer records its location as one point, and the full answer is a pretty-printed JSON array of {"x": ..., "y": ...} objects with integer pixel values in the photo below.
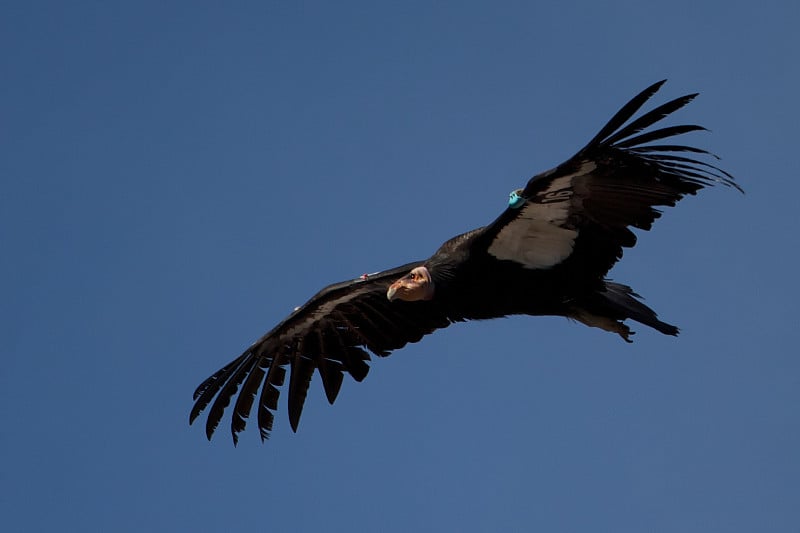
[{"x": 546, "y": 254}]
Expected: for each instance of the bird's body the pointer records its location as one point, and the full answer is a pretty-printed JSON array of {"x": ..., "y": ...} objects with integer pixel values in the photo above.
[{"x": 547, "y": 254}]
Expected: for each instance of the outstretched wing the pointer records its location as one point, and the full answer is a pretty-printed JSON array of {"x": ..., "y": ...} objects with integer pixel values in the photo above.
[
  {"x": 578, "y": 215},
  {"x": 332, "y": 333}
]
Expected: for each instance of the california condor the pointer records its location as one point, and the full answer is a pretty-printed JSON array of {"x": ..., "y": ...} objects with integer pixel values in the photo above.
[{"x": 546, "y": 254}]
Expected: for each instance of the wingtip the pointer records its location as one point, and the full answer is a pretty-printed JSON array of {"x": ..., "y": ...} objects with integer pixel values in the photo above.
[
  {"x": 294, "y": 421},
  {"x": 657, "y": 85},
  {"x": 652, "y": 89},
  {"x": 211, "y": 427}
]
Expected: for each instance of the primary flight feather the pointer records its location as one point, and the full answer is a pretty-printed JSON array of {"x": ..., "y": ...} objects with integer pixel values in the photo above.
[{"x": 547, "y": 254}]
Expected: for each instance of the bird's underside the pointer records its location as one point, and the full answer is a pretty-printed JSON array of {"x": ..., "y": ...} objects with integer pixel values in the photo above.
[{"x": 547, "y": 253}]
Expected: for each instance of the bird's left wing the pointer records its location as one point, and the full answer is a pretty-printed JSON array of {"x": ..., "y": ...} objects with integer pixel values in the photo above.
[
  {"x": 331, "y": 333},
  {"x": 578, "y": 215}
]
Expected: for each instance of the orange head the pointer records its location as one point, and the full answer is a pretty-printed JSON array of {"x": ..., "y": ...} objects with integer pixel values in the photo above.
[{"x": 414, "y": 286}]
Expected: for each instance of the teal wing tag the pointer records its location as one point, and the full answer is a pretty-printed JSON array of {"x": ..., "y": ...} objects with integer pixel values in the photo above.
[{"x": 515, "y": 201}]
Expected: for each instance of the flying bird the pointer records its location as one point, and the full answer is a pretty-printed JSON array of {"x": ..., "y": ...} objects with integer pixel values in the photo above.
[{"x": 547, "y": 253}]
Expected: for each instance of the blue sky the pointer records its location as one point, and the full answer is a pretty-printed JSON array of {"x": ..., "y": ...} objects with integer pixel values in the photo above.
[{"x": 178, "y": 176}]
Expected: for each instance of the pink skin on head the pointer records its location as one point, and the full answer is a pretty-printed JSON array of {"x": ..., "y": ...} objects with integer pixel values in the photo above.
[{"x": 414, "y": 286}]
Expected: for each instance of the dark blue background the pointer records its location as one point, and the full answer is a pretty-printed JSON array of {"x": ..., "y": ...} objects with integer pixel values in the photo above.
[{"x": 178, "y": 176}]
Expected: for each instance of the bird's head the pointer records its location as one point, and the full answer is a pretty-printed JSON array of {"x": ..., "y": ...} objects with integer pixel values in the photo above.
[{"x": 414, "y": 286}]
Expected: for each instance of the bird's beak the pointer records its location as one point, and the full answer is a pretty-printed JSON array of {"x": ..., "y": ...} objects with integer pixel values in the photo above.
[{"x": 391, "y": 291}]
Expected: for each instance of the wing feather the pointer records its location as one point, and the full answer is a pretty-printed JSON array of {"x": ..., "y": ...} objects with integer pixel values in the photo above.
[
  {"x": 331, "y": 372},
  {"x": 332, "y": 375},
  {"x": 302, "y": 368},
  {"x": 671, "y": 148},
  {"x": 270, "y": 391},
  {"x": 244, "y": 403},
  {"x": 659, "y": 134}
]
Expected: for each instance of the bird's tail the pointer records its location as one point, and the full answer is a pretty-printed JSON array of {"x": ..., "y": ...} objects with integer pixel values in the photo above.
[{"x": 608, "y": 308}]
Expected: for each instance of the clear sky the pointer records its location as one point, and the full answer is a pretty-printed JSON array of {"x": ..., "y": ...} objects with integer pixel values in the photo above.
[{"x": 178, "y": 176}]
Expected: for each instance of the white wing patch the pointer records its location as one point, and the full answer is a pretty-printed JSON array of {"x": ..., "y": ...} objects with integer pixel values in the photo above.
[
  {"x": 536, "y": 238},
  {"x": 534, "y": 241}
]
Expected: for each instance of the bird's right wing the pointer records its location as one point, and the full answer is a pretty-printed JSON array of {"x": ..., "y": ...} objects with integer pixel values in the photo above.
[{"x": 331, "y": 333}]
